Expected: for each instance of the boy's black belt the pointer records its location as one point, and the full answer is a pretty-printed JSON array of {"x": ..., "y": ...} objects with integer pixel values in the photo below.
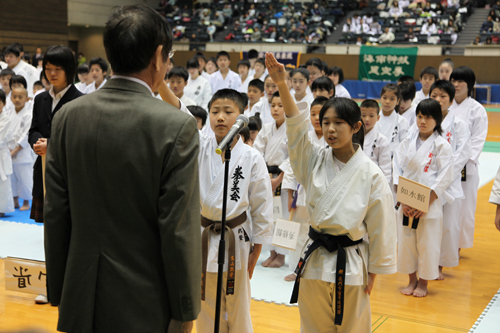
[
  {"x": 216, "y": 227},
  {"x": 414, "y": 224},
  {"x": 331, "y": 243},
  {"x": 273, "y": 169}
]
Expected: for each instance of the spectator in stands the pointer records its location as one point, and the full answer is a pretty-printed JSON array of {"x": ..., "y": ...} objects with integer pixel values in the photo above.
[
  {"x": 359, "y": 41},
  {"x": 365, "y": 27},
  {"x": 453, "y": 3},
  {"x": 302, "y": 26},
  {"x": 227, "y": 12},
  {"x": 348, "y": 27},
  {"x": 410, "y": 35},
  {"x": 256, "y": 36},
  {"x": 496, "y": 8},
  {"x": 477, "y": 41},
  {"x": 496, "y": 27},
  {"x": 387, "y": 37},
  {"x": 395, "y": 10},
  {"x": 451, "y": 30},
  {"x": 375, "y": 28},
  {"x": 274, "y": 34},
  {"x": 403, "y": 3},
  {"x": 487, "y": 26},
  {"x": 428, "y": 28},
  {"x": 293, "y": 34},
  {"x": 251, "y": 11},
  {"x": 488, "y": 41}
]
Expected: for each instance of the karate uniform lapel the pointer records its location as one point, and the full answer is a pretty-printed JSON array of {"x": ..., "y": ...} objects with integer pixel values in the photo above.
[
  {"x": 418, "y": 159},
  {"x": 278, "y": 137},
  {"x": 369, "y": 142}
]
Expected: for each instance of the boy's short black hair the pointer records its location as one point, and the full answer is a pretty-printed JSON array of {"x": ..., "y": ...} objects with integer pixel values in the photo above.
[
  {"x": 3, "y": 98},
  {"x": 38, "y": 83},
  {"x": 244, "y": 62},
  {"x": 276, "y": 94},
  {"x": 198, "y": 112},
  {"x": 6, "y": 72},
  {"x": 430, "y": 71},
  {"x": 13, "y": 49},
  {"x": 316, "y": 62},
  {"x": 431, "y": 108},
  {"x": 257, "y": 83},
  {"x": 302, "y": 71},
  {"x": 245, "y": 98},
  {"x": 223, "y": 54},
  {"x": 193, "y": 63},
  {"x": 338, "y": 71},
  {"x": 370, "y": 103},
  {"x": 179, "y": 72},
  {"x": 408, "y": 91},
  {"x": 445, "y": 86},
  {"x": 231, "y": 95},
  {"x": 261, "y": 61},
  {"x": 200, "y": 55},
  {"x": 61, "y": 55},
  {"x": 255, "y": 123},
  {"x": 253, "y": 54},
  {"x": 466, "y": 74},
  {"x": 320, "y": 100},
  {"x": 18, "y": 79},
  {"x": 100, "y": 62},
  {"x": 323, "y": 83},
  {"x": 83, "y": 69},
  {"x": 407, "y": 79}
]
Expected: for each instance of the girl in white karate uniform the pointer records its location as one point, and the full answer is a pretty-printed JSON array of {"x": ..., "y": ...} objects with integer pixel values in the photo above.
[
  {"x": 271, "y": 143},
  {"x": 456, "y": 132},
  {"x": 336, "y": 74},
  {"x": 426, "y": 158},
  {"x": 333, "y": 297},
  {"x": 6, "y": 202},
  {"x": 474, "y": 115}
]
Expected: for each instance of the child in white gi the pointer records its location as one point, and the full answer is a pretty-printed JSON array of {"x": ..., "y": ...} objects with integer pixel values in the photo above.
[
  {"x": 427, "y": 158},
  {"x": 263, "y": 107},
  {"x": 300, "y": 83},
  {"x": 249, "y": 193},
  {"x": 406, "y": 109},
  {"x": 98, "y": 71},
  {"x": 456, "y": 132},
  {"x": 22, "y": 159},
  {"x": 243, "y": 69},
  {"x": 178, "y": 79},
  {"x": 474, "y": 115},
  {"x": 376, "y": 146},
  {"x": 428, "y": 76},
  {"x": 255, "y": 93},
  {"x": 6, "y": 202},
  {"x": 323, "y": 86},
  {"x": 271, "y": 143},
  {"x": 224, "y": 77},
  {"x": 495, "y": 198},
  {"x": 198, "y": 88},
  {"x": 332, "y": 176},
  {"x": 336, "y": 74}
]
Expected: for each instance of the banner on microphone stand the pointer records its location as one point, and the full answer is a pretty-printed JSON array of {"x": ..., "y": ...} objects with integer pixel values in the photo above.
[{"x": 289, "y": 59}]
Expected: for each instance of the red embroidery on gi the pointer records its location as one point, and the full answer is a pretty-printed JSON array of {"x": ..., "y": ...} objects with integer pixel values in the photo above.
[
  {"x": 426, "y": 168},
  {"x": 448, "y": 136}
]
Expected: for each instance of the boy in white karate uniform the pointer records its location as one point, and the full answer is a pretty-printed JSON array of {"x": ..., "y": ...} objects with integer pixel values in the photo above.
[
  {"x": 426, "y": 158},
  {"x": 456, "y": 132},
  {"x": 495, "y": 198},
  {"x": 6, "y": 202},
  {"x": 13, "y": 54},
  {"x": 243, "y": 69},
  {"x": 271, "y": 143},
  {"x": 406, "y": 109},
  {"x": 249, "y": 193},
  {"x": 256, "y": 98},
  {"x": 22, "y": 159},
  {"x": 263, "y": 107},
  {"x": 474, "y": 115},
  {"x": 323, "y": 86},
  {"x": 84, "y": 77},
  {"x": 428, "y": 76},
  {"x": 224, "y": 77},
  {"x": 259, "y": 70},
  {"x": 177, "y": 80},
  {"x": 332, "y": 176},
  {"x": 98, "y": 71},
  {"x": 198, "y": 88},
  {"x": 376, "y": 146}
]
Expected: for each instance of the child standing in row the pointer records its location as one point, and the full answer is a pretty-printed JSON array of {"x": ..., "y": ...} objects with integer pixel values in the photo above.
[
  {"x": 177, "y": 79},
  {"x": 428, "y": 76},
  {"x": 323, "y": 86},
  {"x": 300, "y": 82},
  {"x": 406, "y": 107},
  {"x": 6, "y": 202},
  {"x": 198, "y": 88},
  {"x": 224, "y": 78}
]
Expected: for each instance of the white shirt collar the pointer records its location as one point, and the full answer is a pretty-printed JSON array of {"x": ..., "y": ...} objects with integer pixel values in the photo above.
[
  {"x": 60, "y": 94},
  {"x": 134, "y": 79}
]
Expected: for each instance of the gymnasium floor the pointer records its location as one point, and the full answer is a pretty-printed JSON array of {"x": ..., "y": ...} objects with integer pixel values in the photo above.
[{"x": 453, "y": 305}]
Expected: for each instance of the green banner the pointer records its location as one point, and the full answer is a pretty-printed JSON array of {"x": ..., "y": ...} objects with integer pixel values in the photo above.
[{"x": 386, "y": 63}]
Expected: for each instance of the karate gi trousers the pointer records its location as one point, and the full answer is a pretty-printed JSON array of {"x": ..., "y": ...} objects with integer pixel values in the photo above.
[{"x": 468, "y": 212}]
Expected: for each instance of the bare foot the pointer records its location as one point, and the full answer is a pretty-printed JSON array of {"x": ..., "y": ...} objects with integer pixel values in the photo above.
[
  {"x": 270, "y": 259},
  {"x": 16, "y": 202},
  {"x": 408, "y": 290},
  {"x": 25, "y": 206},
  {"x": 291, "y": 277},
  {"x": 278, "y": 261},
  {"x": 441, "y": 275},
  {"x": 421, "y": 290}
]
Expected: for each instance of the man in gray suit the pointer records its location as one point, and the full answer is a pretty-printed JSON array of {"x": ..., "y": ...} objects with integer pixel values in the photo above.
[{"x": 122, "y": 216}]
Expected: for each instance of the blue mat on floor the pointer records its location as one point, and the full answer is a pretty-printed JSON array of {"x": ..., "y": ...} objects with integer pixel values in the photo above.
[{"x": 18, "y": 216}]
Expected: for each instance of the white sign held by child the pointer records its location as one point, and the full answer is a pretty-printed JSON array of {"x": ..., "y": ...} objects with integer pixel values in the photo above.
[
  {"x": 26, "y": 276},
  {"x": 413, "y": 194},
  {"x": 286, "y": 234},
  {"x": 277, "y": 209}
]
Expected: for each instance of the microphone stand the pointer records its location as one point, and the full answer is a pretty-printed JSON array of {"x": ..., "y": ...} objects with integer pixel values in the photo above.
[{"x": 222, "y": 242}]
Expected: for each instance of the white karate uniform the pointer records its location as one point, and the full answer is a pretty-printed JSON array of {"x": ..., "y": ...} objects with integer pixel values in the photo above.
[
  {"x": 410, "y": 115},
  {"x": 419, "y": 96},
  {"x": 232, "y": 81},
  {"x": 495, "y": 190},
  {"x": 29, "y": 73},
  {"x": 244, "y": 84},
  {"x": 474, "y": 115},
  {"x": 341, "y": 91},
  {"x": 81, "y": 86},
  {"x": 187, "y": 101},
  {"x": 251, "y": 193},
  {"x": 394, "y": 128},
  {"x": 330, "y": 189},
  {"x": 6, "y": 202},
  {"x": 271, "y": 143},
  {"x": 91, "y": 87},
  {"x": 308, "y": 98},
  {"x": 205, "y": 75},
  {"x": 431, "y": 165},
  {"x": 264, "y": 108},
  {"x": 22, "y": 163},
  {"x": 377, "y": 148},
  {"x": 200, "y": 91}
]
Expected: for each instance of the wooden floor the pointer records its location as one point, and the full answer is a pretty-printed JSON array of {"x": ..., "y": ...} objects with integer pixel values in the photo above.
[{"x": 453, "y": 305}]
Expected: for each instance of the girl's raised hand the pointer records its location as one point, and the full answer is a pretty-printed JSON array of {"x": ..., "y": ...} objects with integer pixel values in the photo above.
[{"x": 275, "y": 69}]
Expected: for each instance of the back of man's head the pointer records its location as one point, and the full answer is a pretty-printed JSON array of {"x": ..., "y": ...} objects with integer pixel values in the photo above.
[{"x": 131, "y": 37}]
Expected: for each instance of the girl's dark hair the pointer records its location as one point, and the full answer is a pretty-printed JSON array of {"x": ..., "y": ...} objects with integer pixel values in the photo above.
[
  {"x": 61, "y": 55},
  {"x": 316, "y": 62},
  {"x": 395, "y": 89},
  {"x": 18, "y": 79},
  {"x": 445, "y": 86},
  {"x": 83, "y": 69},
  {"x": 192, "y": 63},
  {"x": 302, "y": 71},
  {"x": 431, "y": 108},
  {"x": 254, "y": 122},
  {"x": 349, "y": 111},
  {"x": 338, "y": 71},
  {"x": 3, "y": 98},
  {"x": 466, "y": 74},
  {"x": 198, "y": 111},
  {"x": 448, "y": 61},
  {"x": 212, "y": 59}
]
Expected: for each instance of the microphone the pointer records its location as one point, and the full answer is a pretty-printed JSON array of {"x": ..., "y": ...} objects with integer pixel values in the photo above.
[{"x": 241, "y": 122}]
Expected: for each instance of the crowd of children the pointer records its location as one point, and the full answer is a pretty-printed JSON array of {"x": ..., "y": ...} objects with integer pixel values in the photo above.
[{"x": 317, "y": 158}]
